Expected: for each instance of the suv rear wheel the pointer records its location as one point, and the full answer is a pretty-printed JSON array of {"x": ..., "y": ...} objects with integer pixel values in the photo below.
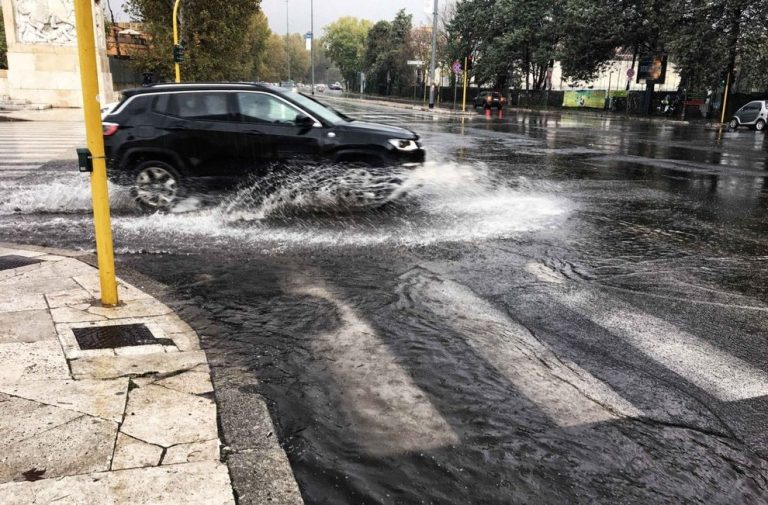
[{"x": 157, "y": 185}]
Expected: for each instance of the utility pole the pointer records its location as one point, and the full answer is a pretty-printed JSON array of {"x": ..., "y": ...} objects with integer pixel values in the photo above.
[
  {"x": 287, "y": 40},
  {"x": 177, "y": 51},
  {"x": 312, "y": 40},
  {"x": 94, "y": 155},
  {"x": 432, "y": 63}
]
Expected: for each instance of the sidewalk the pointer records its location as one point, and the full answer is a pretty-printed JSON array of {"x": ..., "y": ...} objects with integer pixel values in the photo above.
[
  {"x": 100, "y": 405},
  {"x": 399, "y": 105},
  {"x": 472, "y": 113}
]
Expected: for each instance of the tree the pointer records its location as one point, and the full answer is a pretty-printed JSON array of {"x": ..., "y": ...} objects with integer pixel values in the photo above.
[
  {"x": 300, "y": 62},
  {"x": 387, "y": 53},
  {"x": 344, "y": 43},
  {"x": 274, "y": 65},
  {"x": 219, "y": 37}
]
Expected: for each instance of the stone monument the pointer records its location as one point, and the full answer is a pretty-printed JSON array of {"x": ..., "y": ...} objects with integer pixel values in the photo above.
[{"x": 43, "y": 63}]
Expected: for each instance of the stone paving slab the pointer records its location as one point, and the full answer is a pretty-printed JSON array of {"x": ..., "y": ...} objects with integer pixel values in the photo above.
[
  {"x": 133, "y": 424},
  {"x": 204, "y": 483}
]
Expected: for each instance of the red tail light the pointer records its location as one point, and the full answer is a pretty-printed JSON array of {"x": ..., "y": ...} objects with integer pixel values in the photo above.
[{"x": 109, "y": 129}]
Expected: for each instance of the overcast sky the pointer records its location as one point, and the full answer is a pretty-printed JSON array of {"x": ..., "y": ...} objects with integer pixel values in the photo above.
[{"x": 327, "y": 11}]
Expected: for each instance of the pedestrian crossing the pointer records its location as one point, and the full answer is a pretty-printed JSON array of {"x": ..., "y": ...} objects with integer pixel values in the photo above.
[
  {"x": 385, "y": 405},
  {"x": 26, "y": 145}
]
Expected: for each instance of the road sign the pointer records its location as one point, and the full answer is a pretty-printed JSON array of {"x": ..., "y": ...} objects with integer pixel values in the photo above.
[
  {"x": 630, "y": 73},
  {"x": 418, "y": 63},
  {"x": 456, "y": 67}
]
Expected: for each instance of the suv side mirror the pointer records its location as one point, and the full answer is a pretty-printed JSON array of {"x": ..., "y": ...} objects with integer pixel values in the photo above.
[{"x": 304, "y": 121}]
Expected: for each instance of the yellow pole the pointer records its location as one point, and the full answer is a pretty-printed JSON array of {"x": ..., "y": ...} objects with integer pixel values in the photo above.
[
  {"x": 725, "y": 96},
  {"x": 176, "y": 36},
  {"x": 464, "y": 98},
  {"x": 90, "y": 83}
]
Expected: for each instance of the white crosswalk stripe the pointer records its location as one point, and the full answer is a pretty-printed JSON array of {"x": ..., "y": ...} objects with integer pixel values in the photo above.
[
  {"x": 25, "y": 146},
  {"x": 564, "y": 391}
]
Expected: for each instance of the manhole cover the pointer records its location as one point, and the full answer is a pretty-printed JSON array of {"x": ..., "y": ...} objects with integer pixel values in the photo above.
[
  {"x": 14, "y": 261},
  {"x": 123, "y": 335}
]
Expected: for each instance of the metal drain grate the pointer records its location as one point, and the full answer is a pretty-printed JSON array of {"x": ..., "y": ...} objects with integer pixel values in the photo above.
[
  {"x": 123, "y": 335},
  {"x": 14, "y": 261}
]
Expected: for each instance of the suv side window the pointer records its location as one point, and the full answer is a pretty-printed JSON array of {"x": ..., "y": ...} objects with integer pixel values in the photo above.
[
  {"x": 265, "y": 108},
  {"x": 202, "y": 106}
]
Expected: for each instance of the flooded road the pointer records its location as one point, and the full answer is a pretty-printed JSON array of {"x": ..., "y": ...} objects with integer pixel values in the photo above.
[{"x": 554, "y": 309}]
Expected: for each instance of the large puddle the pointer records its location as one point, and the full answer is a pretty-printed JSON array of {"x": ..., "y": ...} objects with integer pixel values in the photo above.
[{"x": 321, "y": 206}]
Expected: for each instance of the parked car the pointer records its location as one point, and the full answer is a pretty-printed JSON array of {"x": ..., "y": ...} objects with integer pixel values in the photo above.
[
  {"x": 336, "y": 86},
  {"x": 162, "y": 139},
  {"x": 754, "y": 114},
  {"x": 489, "y": 100}
]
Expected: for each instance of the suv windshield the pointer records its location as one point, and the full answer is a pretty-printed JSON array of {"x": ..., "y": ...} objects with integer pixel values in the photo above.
[{"x": 317, "y": 109}]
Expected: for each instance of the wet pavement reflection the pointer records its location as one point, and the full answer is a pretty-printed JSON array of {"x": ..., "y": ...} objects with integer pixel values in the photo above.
[{"x": 554, "y": 309}]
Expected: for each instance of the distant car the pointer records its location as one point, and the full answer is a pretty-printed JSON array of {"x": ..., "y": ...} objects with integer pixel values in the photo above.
[
  {"x": 289, "y": 85},
  {"x": 754, "y": 114},
  {"x": 163, "y": 139},
  {"x": 489, "y": 100},
  {"x": 336, "y": 86},
  {"x": 320, "y": 88}
]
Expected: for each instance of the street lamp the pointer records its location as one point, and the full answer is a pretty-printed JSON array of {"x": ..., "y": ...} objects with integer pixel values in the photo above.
[
  {"x": 287, "y": 40},
  {"x": 312, "y": 40},
  {"x": 432, "y": 63}
]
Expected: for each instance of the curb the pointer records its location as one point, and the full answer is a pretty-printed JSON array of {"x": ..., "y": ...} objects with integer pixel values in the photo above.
[
  {"x": 552, "y": 111},
  {"x": 406, "y": 106}
]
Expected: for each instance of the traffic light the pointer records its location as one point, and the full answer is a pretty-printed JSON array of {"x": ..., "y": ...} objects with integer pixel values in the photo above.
[
  {"x": 178, "y": 53},
  {"x": 469, "y": 63}
]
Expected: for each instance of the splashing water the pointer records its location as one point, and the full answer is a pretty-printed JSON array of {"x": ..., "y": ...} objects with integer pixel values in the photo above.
[
  {"x": 67, "y": 194},
  {"x": 330, "y": 207},
  {"x": 323, "y": 206}
]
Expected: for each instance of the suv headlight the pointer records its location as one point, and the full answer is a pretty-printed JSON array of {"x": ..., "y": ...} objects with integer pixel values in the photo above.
[{"x": 404, "y": 145}]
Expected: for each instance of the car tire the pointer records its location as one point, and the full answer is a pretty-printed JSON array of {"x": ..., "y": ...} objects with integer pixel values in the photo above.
[
  {"x": 156, "y": 186},
  {"x": 733, "y": 124},
  {"x": 760, "y": 125}
]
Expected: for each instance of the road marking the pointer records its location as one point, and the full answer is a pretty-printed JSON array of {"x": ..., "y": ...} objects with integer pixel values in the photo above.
[
  {"x": 717, "y": 372},
  {"x": 565, "y": 392},
  {"x": 389, "y": 414}
]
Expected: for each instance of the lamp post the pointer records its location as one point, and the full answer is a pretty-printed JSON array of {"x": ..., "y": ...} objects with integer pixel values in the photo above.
[
  {"x": 287, "y": 40},
  {"x": 432, "y": 62},
  {"x": 312, "y": 40}
]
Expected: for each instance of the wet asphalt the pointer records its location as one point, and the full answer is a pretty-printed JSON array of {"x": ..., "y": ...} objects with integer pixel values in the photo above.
[{"x": 555, "y": 309}]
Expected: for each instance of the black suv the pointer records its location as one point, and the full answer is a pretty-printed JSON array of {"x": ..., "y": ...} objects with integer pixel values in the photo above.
[{"x": 160, "y": 138}]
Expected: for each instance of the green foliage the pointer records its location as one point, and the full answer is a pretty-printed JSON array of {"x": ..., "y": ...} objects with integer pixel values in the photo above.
[
  {"x": 220, "y": 37},
  {"x": 3, "y": 44},
  {"x": 519, "y": 38},
  {"x": 387, "y": 51},
  {"x": 300, "y": 61},
  {"x": 344, "y": 44}
]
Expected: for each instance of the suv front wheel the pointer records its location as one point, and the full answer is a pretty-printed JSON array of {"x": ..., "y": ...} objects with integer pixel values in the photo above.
[{"x": 156, "y": 185}]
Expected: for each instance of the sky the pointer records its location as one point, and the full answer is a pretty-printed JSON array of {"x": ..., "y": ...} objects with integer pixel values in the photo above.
[{"x": 327, "y": 11}]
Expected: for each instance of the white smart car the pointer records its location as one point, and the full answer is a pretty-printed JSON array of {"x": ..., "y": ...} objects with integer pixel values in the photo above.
[{"x": 754, "y": 114}]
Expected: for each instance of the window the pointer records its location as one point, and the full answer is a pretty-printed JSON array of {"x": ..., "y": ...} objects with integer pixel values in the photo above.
[
  {"x": 264, "y": 108},
  {"x": 195, "y": 105}
]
